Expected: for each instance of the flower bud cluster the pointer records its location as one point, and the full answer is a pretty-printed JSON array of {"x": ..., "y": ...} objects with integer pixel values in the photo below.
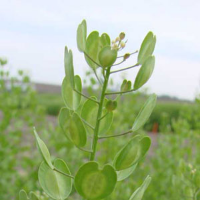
[{"x": 118, "y": 43}]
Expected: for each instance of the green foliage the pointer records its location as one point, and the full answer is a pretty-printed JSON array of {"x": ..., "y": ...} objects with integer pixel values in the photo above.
[
  {"x": 85, "y": 123},
  {"x": 18, "y": 112}
]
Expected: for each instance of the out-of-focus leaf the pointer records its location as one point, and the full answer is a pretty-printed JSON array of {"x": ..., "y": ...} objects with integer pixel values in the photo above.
[{"x": 138, "y": 194}]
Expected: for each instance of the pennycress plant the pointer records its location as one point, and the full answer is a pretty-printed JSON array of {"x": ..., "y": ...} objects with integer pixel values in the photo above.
[{"x": 86, "y": 124}]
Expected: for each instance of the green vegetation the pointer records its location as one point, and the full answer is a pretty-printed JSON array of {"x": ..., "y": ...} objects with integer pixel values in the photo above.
[{"x": 124, "y": 159}]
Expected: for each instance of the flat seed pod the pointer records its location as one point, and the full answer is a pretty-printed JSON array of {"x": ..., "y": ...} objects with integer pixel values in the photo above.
[
  {"x": 107, "y": 56},
  {"x": 145, "y": 72},
  {"x": 23, "y": 196},
  {"x": 81, "y": 36},
  {"x": 126, "y": 86},
  {"x": 105, "y": 40},
  {"x": 123, "y": 174},
  {"x": 138, "y": 194},
  {"x": 43, "y": 150},
  {"x": 132, "y": 152},
  {"x": 111, "y": 105},
  {"x": 89, "y": 114},
  {"x": 69, "y": 68},
  {"x": 71, "y": 98},
  {"x": 93, "y": 183},
  {"x": 73, "y": 127},
  {"x": 145, "y": 112},
  {"x": 92, "y": 49},
  {"x": 55, "y": 184},
  {"x": 147, "y": 47}
]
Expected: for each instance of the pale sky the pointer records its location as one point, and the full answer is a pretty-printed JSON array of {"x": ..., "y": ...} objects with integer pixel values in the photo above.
[{"x": 33, "y": 34}]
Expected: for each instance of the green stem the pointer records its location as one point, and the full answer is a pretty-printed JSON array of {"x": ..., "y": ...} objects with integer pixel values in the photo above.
[
  {"x": 118, "y": 135},
  {"x": 96, "y": 130}
]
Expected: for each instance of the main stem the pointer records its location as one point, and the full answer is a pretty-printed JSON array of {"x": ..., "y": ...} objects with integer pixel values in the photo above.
[{"x": 96, "y": 130}]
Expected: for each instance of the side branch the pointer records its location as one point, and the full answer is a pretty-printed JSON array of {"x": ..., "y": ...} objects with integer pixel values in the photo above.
[
  {"x": 86, "y": 96},
  {"x": 118, "y": 135},
  {"x": 68, "y": 175},
  {"x": 112, "y": 72},
  {"x": 111, "y": 93},
  {"x": 129, "y": 54}
]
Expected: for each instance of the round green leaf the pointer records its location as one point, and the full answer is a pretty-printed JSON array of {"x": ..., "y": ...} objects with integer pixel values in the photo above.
[
  {"x": 23, "y": 196},
  {"x": 132, "y": 152},
  {"x": 92, "y": 49},
  {"x": 123, "y": 174},
  {"x": 126, "y": 86},
  {"x": 93, "y": 183},
  {"x": 105, "y": 40},
  {"x": 111, "y": 105},
  {"x": 55, "y": 184},
  {"x": 43, "y": 150},
  {"x": 107, "y": 56},
  {"x": 89, "y": 114},
  {"x": 81, "y": 36},
  {"x": 69, "y": 68},
  {"x": 138, "y": 194},
  {"x": 71, "y": 98},
  {"x": 145, "y": 112},
  {"x": 73, "y": 127},
  {"x": 145, "y": 72},
  {"x": 147, "y": 47}
]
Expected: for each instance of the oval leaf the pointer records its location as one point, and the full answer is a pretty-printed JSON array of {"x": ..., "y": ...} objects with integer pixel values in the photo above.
[
  {"x": 145, "y": 112},
  {"x": 105, "y": 40},
  {"x": 89, "y": 114},
  {"x": 55, "y": 184},
  {"x": 81, "y": 36},
  {"x": 132, "y": 152},
  {"x": 71, "y": 98},
  {"x": 138, "y": 194},
  {"x": 107, "y": 56},
  {"x": 94, "y": 183},
  {"x": 69, "y": 68},
  {"x": 73, "y": 127},
  {"x": 92, "y": 49},
  {"x": 43, "y": 150},
  {"x": 123, "y": 174},
  {"x": 147, "y": 47},
  {"x": 145, "y": 72}
]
